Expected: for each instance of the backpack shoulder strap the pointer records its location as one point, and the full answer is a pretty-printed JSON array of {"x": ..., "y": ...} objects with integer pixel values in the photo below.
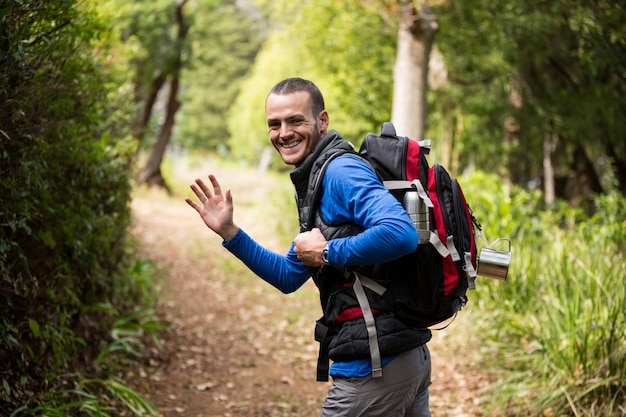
[
  {"x": 370, "y": 325},
  {"x": 318, "y": 189}
]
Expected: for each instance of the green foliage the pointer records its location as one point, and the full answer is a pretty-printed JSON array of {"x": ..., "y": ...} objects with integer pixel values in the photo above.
[
  {"x": 223, "y": 43},
  {"x": 65, "y": 158},
  {"x": 556, "y": 329},
  {"x": 246, "y": 119},
  {"x": 148, "y": 24},
  {"x": 219, "y": 47},
  {"x": 104, "y": 394},
  {"x": 521, "y": 72},
  {"x": 329, "y": 43},
  {"x": 339, "y": 36}
]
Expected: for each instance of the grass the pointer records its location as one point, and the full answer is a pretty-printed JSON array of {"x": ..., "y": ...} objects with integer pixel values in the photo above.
[{"x": 554, "y": 333}]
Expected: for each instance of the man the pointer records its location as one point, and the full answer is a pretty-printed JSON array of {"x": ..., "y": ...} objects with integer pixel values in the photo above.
[{"x": 358, "y": 223}]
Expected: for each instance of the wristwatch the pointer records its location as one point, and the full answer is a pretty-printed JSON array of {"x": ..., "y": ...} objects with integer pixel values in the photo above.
[{"x": 325, "y": 254}]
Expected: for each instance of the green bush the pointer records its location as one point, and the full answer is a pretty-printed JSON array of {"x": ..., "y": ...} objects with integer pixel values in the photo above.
[
  {"x": 556, "y": 329},
  {"x": 64, "y": 210}
]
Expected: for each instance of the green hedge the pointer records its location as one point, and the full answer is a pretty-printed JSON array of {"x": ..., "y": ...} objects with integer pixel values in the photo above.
[{"x": 64, "y": 206}]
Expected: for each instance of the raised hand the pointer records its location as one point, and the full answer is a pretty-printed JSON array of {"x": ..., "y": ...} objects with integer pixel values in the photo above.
[{"x": 215, "y": 208}]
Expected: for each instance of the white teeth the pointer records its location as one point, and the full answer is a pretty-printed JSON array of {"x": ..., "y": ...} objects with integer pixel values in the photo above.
[{"x": 291, "y": 144}]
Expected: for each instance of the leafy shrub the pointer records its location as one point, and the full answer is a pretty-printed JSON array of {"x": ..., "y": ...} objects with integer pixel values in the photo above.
[
  {"x": 64, "y": 210},
  {"x": 556, "y": 329}
]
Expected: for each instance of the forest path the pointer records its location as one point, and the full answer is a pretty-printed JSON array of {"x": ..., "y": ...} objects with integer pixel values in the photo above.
[{"x": 236, "y": 346}]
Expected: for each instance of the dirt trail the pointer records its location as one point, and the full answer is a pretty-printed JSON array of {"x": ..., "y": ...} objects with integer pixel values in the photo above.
[{"x": 236, "y": 346}]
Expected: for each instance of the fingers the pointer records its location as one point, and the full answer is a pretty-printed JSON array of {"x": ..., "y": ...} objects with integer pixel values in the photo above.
[
  {"x": 229, "y": 198},
  {"x": 197, "y": 192},
  {"x": 216, "y": 185},
  {"x": 206, "y": 192},
  {"x": 203, "y": 192},
  {"x": 192, "y": 203}
]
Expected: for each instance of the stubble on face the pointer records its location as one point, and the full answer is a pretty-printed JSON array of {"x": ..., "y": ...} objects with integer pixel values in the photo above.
[{"x": 293, "y": 129}]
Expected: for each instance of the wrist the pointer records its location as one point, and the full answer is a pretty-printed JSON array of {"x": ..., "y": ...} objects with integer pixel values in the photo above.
[{"x": 229, "y": 233}]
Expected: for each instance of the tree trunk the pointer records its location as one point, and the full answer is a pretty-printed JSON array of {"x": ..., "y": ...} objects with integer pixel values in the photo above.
[
  {"x": 151, "y": 173},
  {"x": 549, "y": 146},
  {"x": 139, "y": 127},
  {"x": 415, "y": 38},
  {"x": 511, "y": 133}
]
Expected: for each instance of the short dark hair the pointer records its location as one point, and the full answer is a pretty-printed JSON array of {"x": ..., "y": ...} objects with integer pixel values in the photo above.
[{"x": 292, "y": 85}]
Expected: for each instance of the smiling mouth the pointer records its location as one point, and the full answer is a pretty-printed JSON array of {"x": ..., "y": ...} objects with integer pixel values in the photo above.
[{"x": 291, "y": 144}]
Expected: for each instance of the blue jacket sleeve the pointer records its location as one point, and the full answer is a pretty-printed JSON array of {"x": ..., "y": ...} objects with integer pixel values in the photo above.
[
  {"x": 285, "y": 272},
  {"x": 354, "y": 194}
]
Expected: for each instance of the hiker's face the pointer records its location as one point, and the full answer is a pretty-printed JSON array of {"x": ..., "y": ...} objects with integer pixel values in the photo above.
[{"x": 293, "y": 128}]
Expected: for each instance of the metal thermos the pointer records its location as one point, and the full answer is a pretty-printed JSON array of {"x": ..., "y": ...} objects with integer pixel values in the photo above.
[{"x": 418, "y": 212}]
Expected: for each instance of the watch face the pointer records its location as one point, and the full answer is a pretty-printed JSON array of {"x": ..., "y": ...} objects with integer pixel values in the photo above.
[{"x": 325, "y": 255}]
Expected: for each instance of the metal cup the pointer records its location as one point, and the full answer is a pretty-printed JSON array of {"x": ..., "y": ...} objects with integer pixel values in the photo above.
[{"x": 494, "y": 263}]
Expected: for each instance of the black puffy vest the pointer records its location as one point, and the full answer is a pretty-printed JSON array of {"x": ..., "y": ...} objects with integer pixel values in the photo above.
[{"x": 348, "y": 339}]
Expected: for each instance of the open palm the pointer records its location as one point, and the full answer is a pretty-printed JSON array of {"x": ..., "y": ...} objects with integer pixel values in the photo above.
[{"x": 215, "y": 207}]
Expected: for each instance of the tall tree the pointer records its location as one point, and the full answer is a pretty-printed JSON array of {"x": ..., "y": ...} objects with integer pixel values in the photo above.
[
  {"x": 225, "y": 37},
  {"x": 157, "y": 29},
  {"x": 416, "y": 32},
  {"x": 190, "y": 58},
  {"x": 148, "y": 25},
  {"x": 151, "y": 173}
]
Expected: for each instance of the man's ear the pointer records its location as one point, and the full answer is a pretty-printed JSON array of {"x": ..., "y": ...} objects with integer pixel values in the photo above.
[{"x": 322, "y": 121}]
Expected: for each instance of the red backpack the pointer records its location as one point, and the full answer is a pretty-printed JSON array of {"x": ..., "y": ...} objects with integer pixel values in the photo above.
[{"x": 428, "y": 286}]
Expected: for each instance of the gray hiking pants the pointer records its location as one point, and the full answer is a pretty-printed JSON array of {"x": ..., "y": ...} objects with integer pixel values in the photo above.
[{"x": 402, "y": 391}]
